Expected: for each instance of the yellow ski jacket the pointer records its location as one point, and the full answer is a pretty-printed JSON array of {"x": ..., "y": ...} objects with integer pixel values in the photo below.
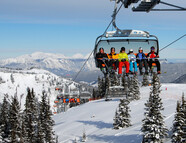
[
  {"x": 112, "y": 56},
  {"x": 123, "y": 56}
]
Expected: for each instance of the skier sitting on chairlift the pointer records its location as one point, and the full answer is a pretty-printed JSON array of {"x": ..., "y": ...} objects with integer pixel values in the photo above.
[
  {"x": 142, "y": 60},
  {"x": 100, "y": 59},
  {"x": 113, "y": 59},
  {"x": 132, "y": 61},
  {"x": 123, "y": 60},
  {"x": 153, "y": 59}
]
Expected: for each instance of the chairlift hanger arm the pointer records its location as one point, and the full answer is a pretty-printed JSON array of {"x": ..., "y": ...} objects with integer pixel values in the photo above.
[{"x": 148, "y": 5}]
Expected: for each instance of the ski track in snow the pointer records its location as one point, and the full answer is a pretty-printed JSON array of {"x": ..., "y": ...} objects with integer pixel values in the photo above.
[
  {"x": 169, "y": 116},
  {"x": 118, "y": 134}
]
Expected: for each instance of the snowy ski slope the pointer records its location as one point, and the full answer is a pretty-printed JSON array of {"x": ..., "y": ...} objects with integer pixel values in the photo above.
[
  {"x": 38, "y": 79},
  {"x": 96, "y": 118}
]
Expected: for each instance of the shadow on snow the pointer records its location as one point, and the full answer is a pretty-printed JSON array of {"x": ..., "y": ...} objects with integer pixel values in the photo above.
[
  {"x": 98, "y": 124},
  {"x": 117, "y": 139}
]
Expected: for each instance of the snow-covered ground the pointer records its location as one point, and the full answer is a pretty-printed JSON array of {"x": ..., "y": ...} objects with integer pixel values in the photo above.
[
  {"x": 96, "y": 118},
  {"x": 12, "y": 81}
]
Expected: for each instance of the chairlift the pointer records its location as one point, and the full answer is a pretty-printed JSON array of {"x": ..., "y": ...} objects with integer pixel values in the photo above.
[{"x": 130, "y": 39}]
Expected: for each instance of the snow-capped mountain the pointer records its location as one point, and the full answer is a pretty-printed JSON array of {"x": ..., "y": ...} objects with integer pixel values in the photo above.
[
  {"x": 69, "y": 66},
  {"x": 17, "y": 81},
  {"x": 56, "y": 63}
]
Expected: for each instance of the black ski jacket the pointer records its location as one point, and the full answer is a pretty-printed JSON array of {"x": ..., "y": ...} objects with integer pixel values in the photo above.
[{"x": 101, "y": 55}]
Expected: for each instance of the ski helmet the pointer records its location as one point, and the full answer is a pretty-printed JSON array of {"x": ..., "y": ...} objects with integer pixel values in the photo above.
[
  {"x": 131, "y": 51},
  {"x": 122, "y": 49},
  {"x": 152, "y": 48},
  {"x": 140, "y": 48}
]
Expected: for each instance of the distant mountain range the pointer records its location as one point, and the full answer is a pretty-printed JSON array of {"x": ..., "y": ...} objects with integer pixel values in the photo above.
[
  {"x": 70, "y": 66},
  {"x": 56, "y": 63}
]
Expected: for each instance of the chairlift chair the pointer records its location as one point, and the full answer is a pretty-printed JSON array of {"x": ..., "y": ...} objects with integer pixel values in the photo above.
[{"x": 130, "y": 39}]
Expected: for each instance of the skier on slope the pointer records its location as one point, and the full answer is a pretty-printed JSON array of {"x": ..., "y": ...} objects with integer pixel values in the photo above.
[
  {"x": 153, "y": 59},
  {"x": 100, "y": 57},
  {"x": 123, "y": 60},
  {"x": 142, "y": 60},
  {"x": 132, "y": 60}
]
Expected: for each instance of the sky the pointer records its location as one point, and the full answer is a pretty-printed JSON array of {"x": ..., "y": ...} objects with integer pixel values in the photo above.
[{"x": 71, "y": 26}]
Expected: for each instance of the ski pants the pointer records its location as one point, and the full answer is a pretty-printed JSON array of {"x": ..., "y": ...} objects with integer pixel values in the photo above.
[
  {"x": 126, "y": 63},
  {"x": 141, "y": 63},
  {"x": 133, "y": 65},
  {"x": 157, "y": 64},
  {"x": 100, "y": 65},
  {"x": 100, "y": 62},
  {"x": 113, "y": 64}
]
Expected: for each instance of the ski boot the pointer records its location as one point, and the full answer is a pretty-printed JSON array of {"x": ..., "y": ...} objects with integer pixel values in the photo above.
[
  {"x": 146, "y": 72},
  {"x": 119, "y": 75},
  {"x": 127, "y": 74},
  {"x": 136, "y": 73},
  {"x": 141, "y": 73},
  {"x": 159, "y": 72},
  {"x": 130, "y": 72}
]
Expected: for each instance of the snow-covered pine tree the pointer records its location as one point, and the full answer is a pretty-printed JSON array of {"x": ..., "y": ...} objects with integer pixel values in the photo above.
[
  {"x": 184, "y": 116},
  {"x": 125, "y": 84},
  {"x": 122, "y": 116},
  {"x": 100, "y": 84},
  {"x": 43, "y": 106},
  {"x": 107, "y": 82},
  {"x": 103, "y": 87},
  {"x": 30, "y": 117},
  {"x": 23, "y": 131},
  {"x": 116, "y": 120},
  {"x": 178, "y": 124},
  {"x": 46, "y": 120},
  {"x": 115, "y": 80},
  {"x": 40, "y": 133},
  {"x": 131, "y": 88},
  {"x": 136, "y": 87},
  {"x": 57, "y": 139},
  {"x": 14, "y": 118},
  {"x": 4, "y": 119},
  {"x": 1, "y": 137},
  {"x": 50, "y": 136},
  {"x": 153, "y": 125},
  {"x": 12, "y": 78},
  {"x": 145, "y": 81},
  {"x": 93, "y": 93}
]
